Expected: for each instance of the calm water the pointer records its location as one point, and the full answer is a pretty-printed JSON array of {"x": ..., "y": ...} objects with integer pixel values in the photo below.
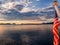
[{"x": 26, "y": 35}]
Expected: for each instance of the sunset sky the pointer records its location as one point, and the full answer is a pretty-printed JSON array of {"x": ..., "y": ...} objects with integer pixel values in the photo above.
[{"x": 26, "y": 11}]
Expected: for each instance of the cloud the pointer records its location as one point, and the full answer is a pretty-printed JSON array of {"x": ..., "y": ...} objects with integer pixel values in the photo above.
[
  {"x": 26, "y": 3},
  {"x": 2, "y": 17},
  {"x": 10, "y": 5},
  {"x": 26, "y": 13},
  {"x": 19, "y": 7},
  {"x": 21, "y": 11},
  {"x": 25, "y": 10}
]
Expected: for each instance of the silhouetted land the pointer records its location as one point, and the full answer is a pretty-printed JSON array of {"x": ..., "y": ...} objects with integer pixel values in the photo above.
[
  {"x": 25, "y": 23},
  {"x": 7, "y": 24}
]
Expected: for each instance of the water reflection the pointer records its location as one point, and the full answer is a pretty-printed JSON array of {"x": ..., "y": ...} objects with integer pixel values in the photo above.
[
  {"x": 26, "y": 35},
  {"x": 4, "y": 28}
]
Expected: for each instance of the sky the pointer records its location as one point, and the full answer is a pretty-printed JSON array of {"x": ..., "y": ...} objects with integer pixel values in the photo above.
[
  {"x": 37, "y": 3},
  {"x": 26, "y": 10}
]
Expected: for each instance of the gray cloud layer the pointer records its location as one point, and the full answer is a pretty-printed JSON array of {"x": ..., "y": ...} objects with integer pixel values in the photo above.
[{"x": 15, "y": 14}]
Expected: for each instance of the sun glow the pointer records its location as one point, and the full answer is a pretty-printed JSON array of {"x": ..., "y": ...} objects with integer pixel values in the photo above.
[{"x": 21, "y": 21}]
